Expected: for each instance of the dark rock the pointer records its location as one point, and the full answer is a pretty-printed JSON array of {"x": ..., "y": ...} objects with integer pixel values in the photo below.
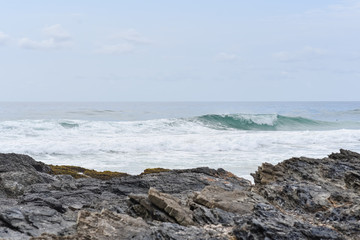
[
  {"x": 352, "y": 180},
  {"x": 214, "y": 216},
  {"x": 324, "y": 191},
  {"x": 299, "y": 198},
  {"x": 12, "y": 162},
  {"x": 106, "y": 225},
  {"x": 110, "y": 225},
  {"x": 266, "y": 222},
  {"x": 142, "y": 207},
  {"x": 19, "y": 171},
  {"x": 32, "y": 220}
]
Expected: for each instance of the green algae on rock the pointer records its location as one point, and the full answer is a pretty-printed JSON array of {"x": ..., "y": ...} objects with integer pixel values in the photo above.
[
  {"x": 79, "y": 172},
  {"x": 155, "y": 170}
]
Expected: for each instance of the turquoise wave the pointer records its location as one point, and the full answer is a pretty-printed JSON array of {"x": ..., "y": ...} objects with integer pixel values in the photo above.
[
  {"x": 69, "y": 124},
  {"x": 270, "y": 122},
  {"x": 248, "y": 122}
]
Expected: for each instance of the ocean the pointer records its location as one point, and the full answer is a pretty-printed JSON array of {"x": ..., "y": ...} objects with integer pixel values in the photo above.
[{"x": 130, "y": 137}]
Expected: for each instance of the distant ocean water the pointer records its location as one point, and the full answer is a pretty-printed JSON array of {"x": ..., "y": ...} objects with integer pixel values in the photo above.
[{"x": 129, "y": 137}]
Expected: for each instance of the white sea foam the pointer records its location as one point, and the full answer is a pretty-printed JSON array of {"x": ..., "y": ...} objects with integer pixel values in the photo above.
[
  {"x": 261, "y": 119},
  {"x": 132, "y": 146}
]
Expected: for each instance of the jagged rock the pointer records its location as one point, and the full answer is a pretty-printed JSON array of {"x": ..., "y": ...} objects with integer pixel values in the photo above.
[
  {"x": 237, "y": 201},
  {"x": 31, "y": 221},
  {"x": 142, "y": 206},
  {"x": 106, "y": 225},
  {"x": 322, "y": 190},
  {"x": 19, "y": 171},
  {"x": 299, "y": 198},
  {"x": 172, "y": 206},
  {"x": 177, "y": 181},
  {"x": 266, "y": 222},
  {"x": 12, "y": 162},
  {"x": 175, "y": 231},
  {"x": 109, "y": 225},
  {"x": 213, "y": 216},
  {"x": 352, "y": 180}
]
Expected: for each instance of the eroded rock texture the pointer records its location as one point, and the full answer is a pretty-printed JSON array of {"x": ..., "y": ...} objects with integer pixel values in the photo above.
[
  {"x": 300, "y": 198},
  {"x": 323, "y": 191}
]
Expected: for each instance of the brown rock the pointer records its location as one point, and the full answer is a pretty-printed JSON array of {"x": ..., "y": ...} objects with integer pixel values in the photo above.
[
  {"x": 171, "y": 206},
  {"x": 236, "y": 201}
]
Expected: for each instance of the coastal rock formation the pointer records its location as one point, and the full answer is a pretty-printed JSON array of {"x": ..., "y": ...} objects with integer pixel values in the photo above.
[
  {"x": 323, "y": 191},
  {"x": 19, "y": 171},
  {"x": 172, "y": 206},
  {"x": 299, "y": 198}
]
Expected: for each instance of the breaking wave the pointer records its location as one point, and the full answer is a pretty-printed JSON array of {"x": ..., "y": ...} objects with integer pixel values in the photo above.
[{"x": 270, "y": 122}]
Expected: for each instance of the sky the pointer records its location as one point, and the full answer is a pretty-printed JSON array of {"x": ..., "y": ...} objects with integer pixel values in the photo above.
[{"x": 202, "y": 50}]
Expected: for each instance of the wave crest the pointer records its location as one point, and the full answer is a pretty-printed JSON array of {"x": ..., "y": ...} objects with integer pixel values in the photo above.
[
  {"x": 262, "y": 122},
  {"x": 69, "y": 124}
]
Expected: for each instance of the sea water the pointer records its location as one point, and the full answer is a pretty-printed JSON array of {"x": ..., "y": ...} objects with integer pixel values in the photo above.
[{"x": 129, "y": 137}]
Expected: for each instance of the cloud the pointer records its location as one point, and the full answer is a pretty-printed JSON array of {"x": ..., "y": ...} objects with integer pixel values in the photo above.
[
  {"x": 44, "y": 44},
  {"x": 345, "y": 8},
  {"x": 305, "y": 54},
  {"x": 57, "y": 37},
  {"x": 57, "y": 32},
  {"x": 3, "y": 38},
  {"x": 120, "y": 48},
  {"x": 123, "y": 42},
  {"x": 131, "y": 36},
  {"x": 226, "y": 57},
  {"x": 352, "y": 6}
]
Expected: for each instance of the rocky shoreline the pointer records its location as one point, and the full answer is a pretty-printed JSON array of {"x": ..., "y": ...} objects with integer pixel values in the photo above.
[{"x": 299, "y": 198}]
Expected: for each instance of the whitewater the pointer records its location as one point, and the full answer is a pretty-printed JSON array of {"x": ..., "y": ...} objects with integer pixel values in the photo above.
[{"x": 130, "y": 137}]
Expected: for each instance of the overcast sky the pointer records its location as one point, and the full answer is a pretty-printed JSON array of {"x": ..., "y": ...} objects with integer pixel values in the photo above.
[{"x": 184, "y": 50}]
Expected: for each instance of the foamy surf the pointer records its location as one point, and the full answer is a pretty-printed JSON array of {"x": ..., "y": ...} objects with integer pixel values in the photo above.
[{"x": 236, "y": 142}]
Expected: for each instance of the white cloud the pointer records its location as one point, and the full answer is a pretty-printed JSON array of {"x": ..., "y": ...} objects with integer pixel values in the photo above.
[
  {"x": 3, "y": 38},
  {"x": 120, "y": 48},
  {"x": 50, "y": 43},
  {"x": 58, "y": 37},
  {"x": 57, "y": 32},
  {"x": 307, "y": 53},
  {"x": 124, "y": 42},
  {"x": 227, "y": 57},
  {"x": 283, "y": 56},
  {"x": 131, "y": 36},
  {"x": 345, "y": 8}
]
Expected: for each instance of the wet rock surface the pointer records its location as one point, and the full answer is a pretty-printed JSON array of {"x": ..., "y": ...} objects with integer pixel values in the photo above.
[{"x": 299, "y": 198}]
